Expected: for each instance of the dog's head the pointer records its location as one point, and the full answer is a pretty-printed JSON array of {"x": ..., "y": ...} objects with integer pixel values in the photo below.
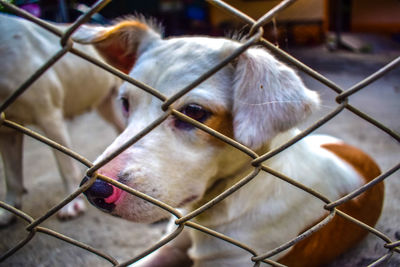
[{"x": 250, "y": 100}]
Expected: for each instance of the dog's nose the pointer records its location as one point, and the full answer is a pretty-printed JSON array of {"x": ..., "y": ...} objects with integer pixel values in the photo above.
[{"x": 98, "y": 192}]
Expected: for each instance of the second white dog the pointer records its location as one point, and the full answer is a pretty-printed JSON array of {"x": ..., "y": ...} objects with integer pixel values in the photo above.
[{"x": 72, "y": 86}]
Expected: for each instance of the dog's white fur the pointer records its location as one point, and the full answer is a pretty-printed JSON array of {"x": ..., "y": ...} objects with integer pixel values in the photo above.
[
  {"x": 72, "y": 86},
  {"x": 186, "y": 168}
]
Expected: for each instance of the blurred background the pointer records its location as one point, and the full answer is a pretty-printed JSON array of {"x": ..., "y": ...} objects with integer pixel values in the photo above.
[{"x": 365, "y": 26}]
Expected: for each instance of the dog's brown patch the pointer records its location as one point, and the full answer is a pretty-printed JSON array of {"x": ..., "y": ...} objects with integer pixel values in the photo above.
[
  {"x": 220, "y": 121},
  {"x": 339, "y": 235},
  {"x": 118, "y": 45}
]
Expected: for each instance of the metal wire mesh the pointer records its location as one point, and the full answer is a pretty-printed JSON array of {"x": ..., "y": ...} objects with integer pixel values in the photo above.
[{"x": 256, "y": 33}]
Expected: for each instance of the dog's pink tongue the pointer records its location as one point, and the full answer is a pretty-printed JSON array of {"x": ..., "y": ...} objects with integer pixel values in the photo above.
[{"x": 114, "y": 196}]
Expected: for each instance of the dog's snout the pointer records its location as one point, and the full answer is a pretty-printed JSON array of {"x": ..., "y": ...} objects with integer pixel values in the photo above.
[
  {"x": 98, "y": 193},
  {"x": 100, "y": 189}
]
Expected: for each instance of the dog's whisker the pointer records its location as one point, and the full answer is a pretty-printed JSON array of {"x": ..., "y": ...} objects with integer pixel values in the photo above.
[{"x": 269, "y": 102}]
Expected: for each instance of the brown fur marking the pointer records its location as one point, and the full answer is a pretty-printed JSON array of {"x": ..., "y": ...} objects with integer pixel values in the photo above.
[
  {"x": 121, "y": 53},
  {"x": 340, "y": 235},
  {"x": 221, "y": 121}
]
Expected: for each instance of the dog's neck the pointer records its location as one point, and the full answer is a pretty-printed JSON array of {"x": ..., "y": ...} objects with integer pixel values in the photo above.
[
  {"x": 227, "y": 215},
  {"x": 221, "y": 183}
]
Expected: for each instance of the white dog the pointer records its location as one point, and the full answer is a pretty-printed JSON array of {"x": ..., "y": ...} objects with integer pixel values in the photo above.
[
  {"x": 72, "y": 86},
  {"x": 255, "y": 100}
]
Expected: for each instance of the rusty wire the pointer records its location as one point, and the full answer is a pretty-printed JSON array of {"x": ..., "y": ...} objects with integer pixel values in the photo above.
[{"x": 255, "y": 38}]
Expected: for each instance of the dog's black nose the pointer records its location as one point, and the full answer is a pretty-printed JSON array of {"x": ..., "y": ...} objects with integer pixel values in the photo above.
[{"x": 98, "y": 192}]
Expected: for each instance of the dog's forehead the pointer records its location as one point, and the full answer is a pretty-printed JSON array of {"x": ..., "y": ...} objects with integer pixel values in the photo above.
[{"x": 172, "y": 64}]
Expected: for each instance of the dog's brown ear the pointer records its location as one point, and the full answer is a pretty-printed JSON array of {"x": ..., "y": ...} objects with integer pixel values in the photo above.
[
  {"x": 118, "y": 44},
  {"x": 269, "y": 98}
]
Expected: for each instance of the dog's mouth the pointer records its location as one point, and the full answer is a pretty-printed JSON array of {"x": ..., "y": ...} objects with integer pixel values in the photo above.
[{"x": 115, "y": 196}]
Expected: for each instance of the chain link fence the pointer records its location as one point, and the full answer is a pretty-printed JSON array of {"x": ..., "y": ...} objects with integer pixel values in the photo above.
[{"x": 35, "y": 227}]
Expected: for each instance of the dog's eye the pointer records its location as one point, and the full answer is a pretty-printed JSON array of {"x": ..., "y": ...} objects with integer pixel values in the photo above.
[
  {"x": 195, "y": 112},
  {"x": 125, "y": 106}
]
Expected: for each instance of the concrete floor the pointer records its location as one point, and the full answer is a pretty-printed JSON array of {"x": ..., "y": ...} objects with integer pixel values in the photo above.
[{"x": 123, "y": 240}]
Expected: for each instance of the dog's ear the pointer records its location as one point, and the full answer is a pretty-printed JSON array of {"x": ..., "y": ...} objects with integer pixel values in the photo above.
[
  {"x": 268, "y": 98},
  {"x": 117, "y": 44}
]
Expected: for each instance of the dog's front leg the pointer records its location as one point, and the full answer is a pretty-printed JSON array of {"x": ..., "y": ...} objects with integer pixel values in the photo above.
[
  {"x": 11, "y": 152},
  {"x": 54, "y": 126},
  {"x": 172, "y": 254}
]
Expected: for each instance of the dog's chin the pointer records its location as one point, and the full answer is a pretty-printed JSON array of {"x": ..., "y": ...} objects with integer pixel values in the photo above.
[{"x": 138, "y": 210}]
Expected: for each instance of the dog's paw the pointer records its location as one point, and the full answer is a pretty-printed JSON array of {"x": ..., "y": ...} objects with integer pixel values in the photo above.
[
  {"x": 6, "y": 218},
  {"x": 72, "y": 210}
]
